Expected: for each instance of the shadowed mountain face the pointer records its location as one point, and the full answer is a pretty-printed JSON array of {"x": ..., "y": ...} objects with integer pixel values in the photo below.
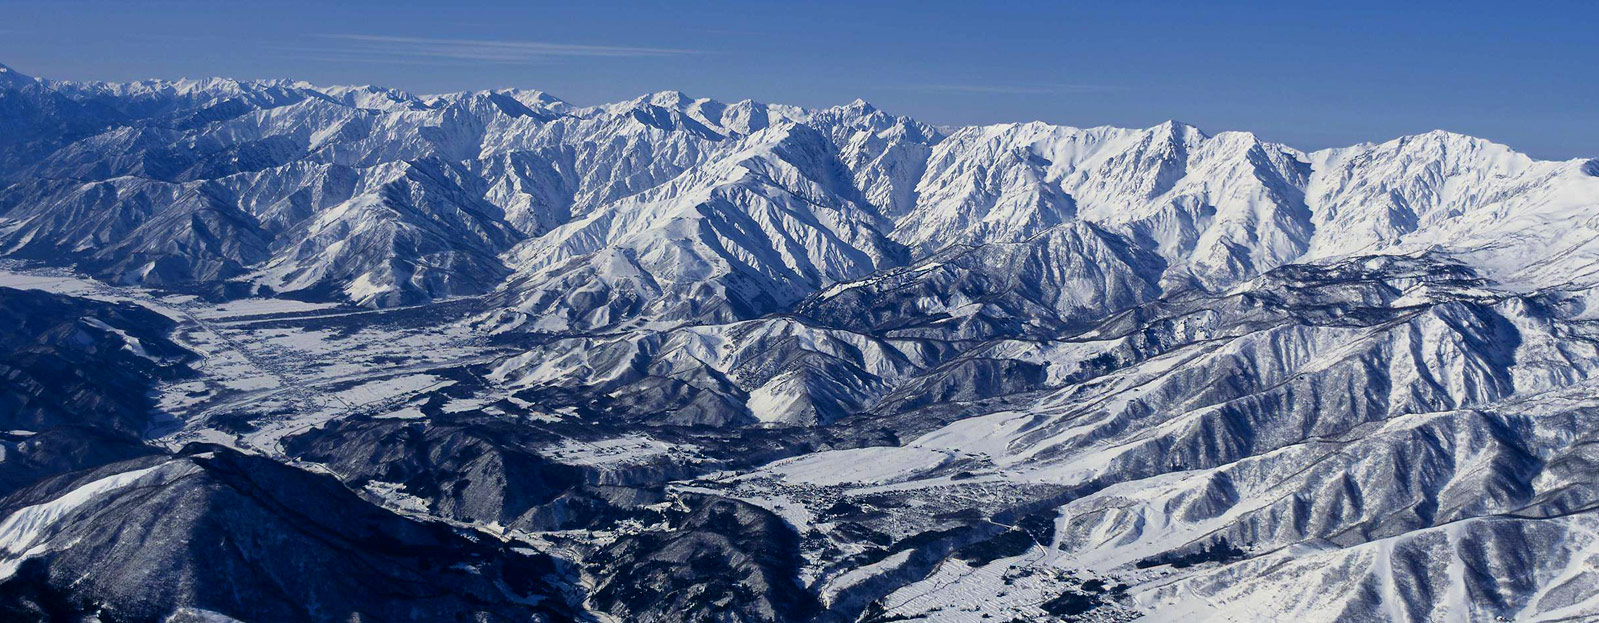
[
  {"x": 718, "y": 560},
  {"x": 212, "y": 532},
  {"x": 81, "y": 362},
  {"x": 79, "y": 379},
  {"x": 289, "y": 352}
]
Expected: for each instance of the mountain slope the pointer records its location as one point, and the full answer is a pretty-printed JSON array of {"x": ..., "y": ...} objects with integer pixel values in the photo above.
[
  {"x": 210, "y": 533},
  {"x": 748, "y": 234}
]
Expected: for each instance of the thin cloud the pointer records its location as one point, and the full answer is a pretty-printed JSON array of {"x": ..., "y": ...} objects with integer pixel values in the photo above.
[
  {"x": 1014, "y": 89},
  {"x": 379, "y": 48},
  {"x": 329, "y": 55}
]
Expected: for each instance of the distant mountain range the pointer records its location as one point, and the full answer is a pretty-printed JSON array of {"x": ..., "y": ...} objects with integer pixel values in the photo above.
[{"x": 698, "y": 361}]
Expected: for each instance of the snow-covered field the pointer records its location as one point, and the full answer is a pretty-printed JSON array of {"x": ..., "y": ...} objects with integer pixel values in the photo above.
[{"x": 284, "y": 365}]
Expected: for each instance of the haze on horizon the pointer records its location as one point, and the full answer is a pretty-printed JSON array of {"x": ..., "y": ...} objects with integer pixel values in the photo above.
[{"x": 1310, "y": 77}]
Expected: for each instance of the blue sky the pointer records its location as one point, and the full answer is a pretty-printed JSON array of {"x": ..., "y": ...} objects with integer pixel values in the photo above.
[{"x": 1308, "y": 74}]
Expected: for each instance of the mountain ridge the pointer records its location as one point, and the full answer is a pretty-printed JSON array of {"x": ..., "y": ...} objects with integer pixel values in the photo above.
[{"x": 1217, "y": 208}]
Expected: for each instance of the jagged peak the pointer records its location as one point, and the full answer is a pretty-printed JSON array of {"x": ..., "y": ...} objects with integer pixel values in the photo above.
[
  {"x": 861, "y": 105},
  {"x": 1242, "y": 136},
  {"x": 749, "y": 105},
  {"x": 12, "y": 77},
  {"x": 1437, "y": 143},
  {"x": 1025, "y": 128},
  {"x": 1446, "y": 144},
  {"x": 1440, "y": 133},
  {"x": 1178, "y": 130},
  {"x": 859, "y": 108},
  {"x": 1243, "y": 139},
  {"x": 672, "y": 98},
  {"x": 669, "y": 97},
  {"x": 1447, "y": 137}
]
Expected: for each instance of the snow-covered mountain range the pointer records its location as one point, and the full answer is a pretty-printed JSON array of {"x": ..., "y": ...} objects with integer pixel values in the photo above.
[{"x": 698, "y": 361}]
